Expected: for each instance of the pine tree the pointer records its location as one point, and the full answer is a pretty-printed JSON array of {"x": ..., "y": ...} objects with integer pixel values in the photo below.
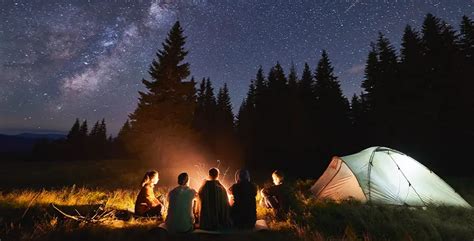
[
  {"x": 467, "y": 38},
  {"x": 224, "y": 127},
  {"x": 124, "y": 132},
  {"x": 356, "y": 111},
  {"x": 245, "y": 126},
  {"x": 331, "y": 106},
  {"x": 306, "y": 88},
  {"x": 292, "y": 80},
  {"x": 83, "y": 131},
  {"x": 210, "y": 105},
  {"x": 102, "y": 132},
  {"x": 199, "y": 119},
  {"x": 74, "y": 131},
  {"x": 94, "y": 131},
  {"x": 305, "y": 131},
  {"x": 371, "y": 76},
  {"x": 441, "y": 65},
  {"x": 261, "y": 89},
  {"x": 224, "y": 109},
  {"x": 165, "y": 111},
  {"x": 413, "y": 88},
  {"x": 276, "y": 119},
  {"x": 466, "y": 46}
]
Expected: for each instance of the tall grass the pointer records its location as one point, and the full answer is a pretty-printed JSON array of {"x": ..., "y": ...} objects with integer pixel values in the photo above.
[{"x": 26, "y": 214}]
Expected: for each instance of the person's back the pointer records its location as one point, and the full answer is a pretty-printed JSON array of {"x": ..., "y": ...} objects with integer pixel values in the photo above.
[
  {"x": 244, "y": 209},
  {"x": 214, "y": 203},
  {"x": 180, "y": 216}
]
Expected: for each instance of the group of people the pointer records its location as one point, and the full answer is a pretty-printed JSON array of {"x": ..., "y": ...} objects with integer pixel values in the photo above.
[{"x": 211, "y": 208}]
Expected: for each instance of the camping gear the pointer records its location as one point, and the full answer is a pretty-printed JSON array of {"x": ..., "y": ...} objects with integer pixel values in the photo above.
[{"x": 385, "y": 176}]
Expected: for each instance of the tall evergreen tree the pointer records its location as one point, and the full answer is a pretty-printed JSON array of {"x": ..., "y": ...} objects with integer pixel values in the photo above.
[
  {"x": 224, "y": 126},
  {"x": 225, "y": 118},
  {"x": 199, "y": 119},
  {"x": 371, "y": 75},
  {"x": 245, "y": 126},
  {"x": 332, "y": 109},
  {"x": 83, "y": 131},
  {"x": 467, "y": 38},
  {"x": 275, "y": 121},
  {"x": 74, "y": 131},
  {"x": 292, "y": 80},
  {"x": 305, "y": 131},
  {"x": 466, "y": 46},
  {"x": 165, "y": 111},
  {"x": 95, "y": 130},
  {"x": 124, "y": 131},
  {"x": 388, "y": 101},
  {"x": 306, "y": 88},
  {"x": 412, "y": 92},
  {"x": 261, "y": 86},
  {"x": 102, "y": 133}
]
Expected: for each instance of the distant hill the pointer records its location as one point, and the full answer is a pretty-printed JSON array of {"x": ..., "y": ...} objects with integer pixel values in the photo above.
[{"x": 23, "y": 142}]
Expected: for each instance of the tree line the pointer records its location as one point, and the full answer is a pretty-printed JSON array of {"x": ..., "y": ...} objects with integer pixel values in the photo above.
[
  {"x": 419, "y": 101},
  {"x": 79, "y": 144}
]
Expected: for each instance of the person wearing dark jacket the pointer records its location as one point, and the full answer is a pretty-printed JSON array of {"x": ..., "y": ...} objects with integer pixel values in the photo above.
[
  {"x": 244, "y": 208},
  {"x": 214, "y": 204}
]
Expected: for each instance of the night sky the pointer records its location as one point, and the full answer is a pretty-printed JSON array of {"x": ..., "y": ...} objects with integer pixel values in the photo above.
[{"x": 65, "y": 59}]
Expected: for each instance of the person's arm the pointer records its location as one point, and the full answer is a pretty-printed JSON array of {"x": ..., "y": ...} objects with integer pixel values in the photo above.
[
  {"x": 269, "y": 191},
  {"x": 150, "y": 199}
]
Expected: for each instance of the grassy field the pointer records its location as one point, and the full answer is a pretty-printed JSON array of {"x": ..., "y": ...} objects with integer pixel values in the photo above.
[{"x": 28, "y": 190}]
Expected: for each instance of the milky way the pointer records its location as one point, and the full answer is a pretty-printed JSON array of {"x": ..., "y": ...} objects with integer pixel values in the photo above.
[{"x": 65, "y": 59}]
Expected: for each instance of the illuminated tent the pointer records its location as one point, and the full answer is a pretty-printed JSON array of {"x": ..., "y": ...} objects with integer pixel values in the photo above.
[{"x": 383, "y": 175}]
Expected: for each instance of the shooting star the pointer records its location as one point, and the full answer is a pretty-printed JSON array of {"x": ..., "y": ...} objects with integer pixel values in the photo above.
[{"x": 351, "y": 6}]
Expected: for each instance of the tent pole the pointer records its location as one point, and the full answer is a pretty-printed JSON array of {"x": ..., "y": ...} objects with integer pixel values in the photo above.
[{"x": 409, "y": 183}]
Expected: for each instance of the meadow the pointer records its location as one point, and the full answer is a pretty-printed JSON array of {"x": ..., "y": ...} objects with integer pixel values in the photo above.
[{"x": 31, "y": 192}]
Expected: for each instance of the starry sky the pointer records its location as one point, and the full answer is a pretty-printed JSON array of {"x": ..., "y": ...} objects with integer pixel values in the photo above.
[{"x": 60, "y": 60}]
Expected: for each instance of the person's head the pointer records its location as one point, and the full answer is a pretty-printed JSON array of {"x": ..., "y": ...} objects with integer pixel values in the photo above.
[
  {"x": 278, "y": 177},
  {"x": 151, "y": 177},
  {"x": 183, "y": 179},
  {"x": 242, "y": 176},
  {"x": 213, "y": 173}
]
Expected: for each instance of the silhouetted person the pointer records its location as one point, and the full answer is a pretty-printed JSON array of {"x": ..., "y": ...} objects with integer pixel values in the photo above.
[
  {"x": 180, "y": 216},
  {"x": 214, "y": 204},
  {"x": 244, "y": 209},
  {"x": 276, "y": 197},
  {"x": 147, "y": 204}
]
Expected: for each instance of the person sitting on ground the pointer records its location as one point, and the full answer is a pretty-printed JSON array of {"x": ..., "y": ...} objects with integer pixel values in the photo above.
[
  {"x": 214, "y": 204},
  {"x": 147, "y": 204},
  {"x": 180, "y": 216},
  {"x": 276, "y": 197},
  {"x": 243, "y": 211}
]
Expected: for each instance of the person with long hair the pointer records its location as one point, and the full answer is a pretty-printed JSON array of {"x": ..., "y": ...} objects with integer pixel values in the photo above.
[
  {"x": 243, "y": 211},
  {"x": 147, "y": 204}
]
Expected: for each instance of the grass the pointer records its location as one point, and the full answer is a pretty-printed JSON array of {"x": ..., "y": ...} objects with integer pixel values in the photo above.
[{"x": 26, "y": 212}]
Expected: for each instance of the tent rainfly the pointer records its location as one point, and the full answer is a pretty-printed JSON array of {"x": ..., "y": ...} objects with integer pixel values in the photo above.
[{"x": 386, "y": 176}]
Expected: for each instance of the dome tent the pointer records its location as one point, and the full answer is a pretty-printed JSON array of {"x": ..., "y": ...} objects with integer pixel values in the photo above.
[{"x": 383, "y": 175}]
